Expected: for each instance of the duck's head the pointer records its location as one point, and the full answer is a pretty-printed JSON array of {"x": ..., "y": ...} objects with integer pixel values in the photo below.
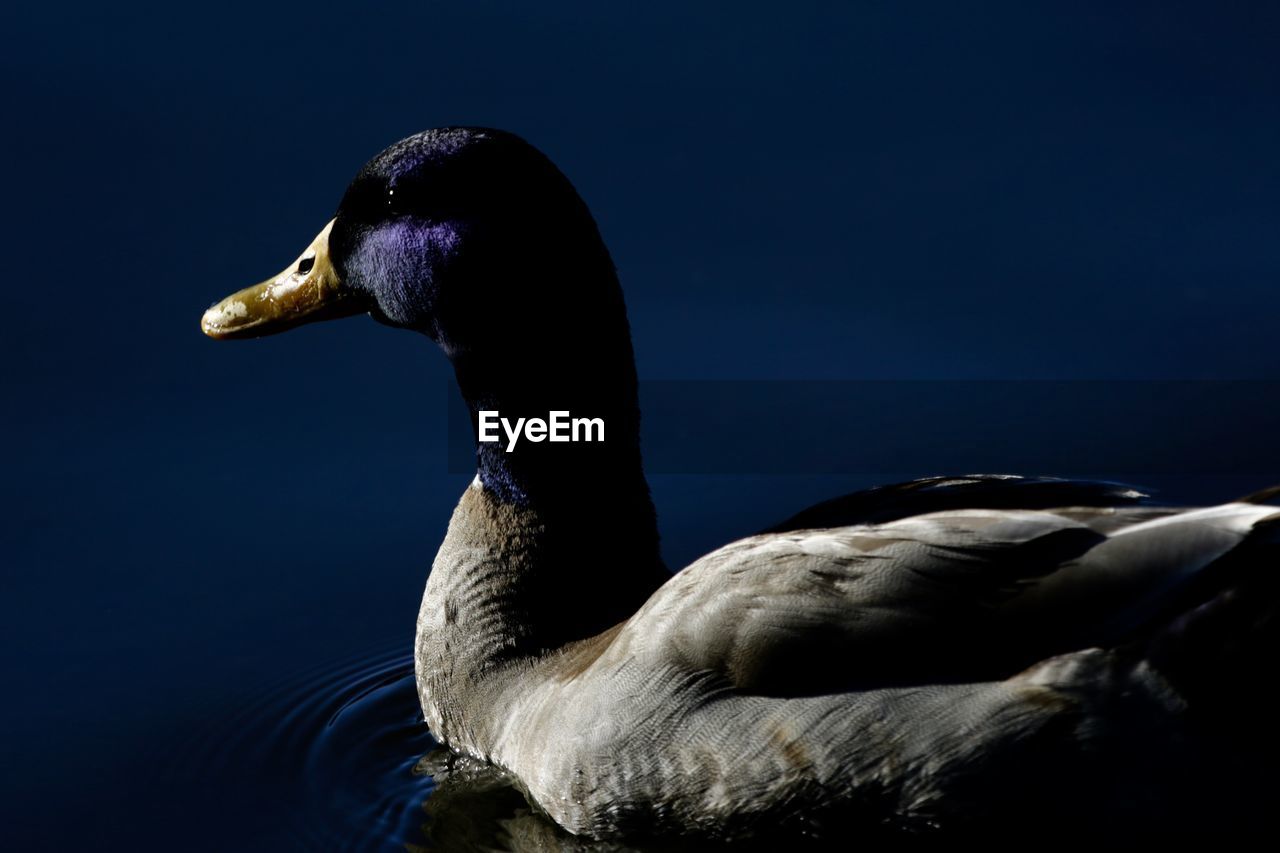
[
  {"x": 476, "y": 239},
  {"x": 469, "y": 235}
]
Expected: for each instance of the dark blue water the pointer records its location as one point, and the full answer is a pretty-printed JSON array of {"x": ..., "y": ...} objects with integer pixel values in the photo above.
[
  {"x": 212, "y": 555},
  {"x": 337, "y": 745}
]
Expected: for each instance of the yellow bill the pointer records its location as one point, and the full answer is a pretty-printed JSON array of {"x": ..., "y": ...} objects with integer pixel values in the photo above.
[{"x": 309, "y": 289}]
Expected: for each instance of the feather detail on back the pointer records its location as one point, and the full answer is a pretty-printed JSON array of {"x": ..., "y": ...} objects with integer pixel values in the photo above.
[{"x": 962, "y": 595}]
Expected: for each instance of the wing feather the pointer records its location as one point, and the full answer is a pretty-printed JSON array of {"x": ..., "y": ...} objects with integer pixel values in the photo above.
[{"x": 960, "y": 595}]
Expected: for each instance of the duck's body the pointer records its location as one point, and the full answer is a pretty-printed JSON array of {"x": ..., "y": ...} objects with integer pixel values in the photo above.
[
  {"x": 955, "y": 669},
  {"x": 946, "y": 653}
]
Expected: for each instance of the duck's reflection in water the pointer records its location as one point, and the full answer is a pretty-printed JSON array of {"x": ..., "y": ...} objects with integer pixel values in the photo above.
[{"x": 475, "y": 807}]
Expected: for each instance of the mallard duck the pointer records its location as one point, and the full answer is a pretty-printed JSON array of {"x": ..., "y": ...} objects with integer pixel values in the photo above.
[{"x": 947, "y": 653}]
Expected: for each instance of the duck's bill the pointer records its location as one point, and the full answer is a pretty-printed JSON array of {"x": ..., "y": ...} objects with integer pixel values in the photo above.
[{"x": 308, "y": 290}]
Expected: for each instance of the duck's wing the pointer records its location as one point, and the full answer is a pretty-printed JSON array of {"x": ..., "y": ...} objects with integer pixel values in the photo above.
[
  {"x": 970, "y": 491},
  {"x": 953, "y": 596}
]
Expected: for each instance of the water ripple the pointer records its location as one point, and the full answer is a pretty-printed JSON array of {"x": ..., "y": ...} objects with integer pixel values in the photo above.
[{"x": 328, "y": 758}]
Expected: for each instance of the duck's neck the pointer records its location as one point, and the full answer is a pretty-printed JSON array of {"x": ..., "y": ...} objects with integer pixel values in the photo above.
[
  {"x": 553, "y": 543},
  {"x": 528, "y": 403}
]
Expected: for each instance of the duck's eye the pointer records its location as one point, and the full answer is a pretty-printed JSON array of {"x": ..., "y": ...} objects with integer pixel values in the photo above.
[{"x": 305, "y": 265}]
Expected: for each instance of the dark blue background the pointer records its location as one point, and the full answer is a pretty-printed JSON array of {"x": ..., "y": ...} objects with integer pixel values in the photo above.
[{"x": 801, "y": 190}]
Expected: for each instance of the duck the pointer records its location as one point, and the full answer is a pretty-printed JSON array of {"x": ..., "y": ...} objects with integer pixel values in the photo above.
[{"x": 950, "y": 654}]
